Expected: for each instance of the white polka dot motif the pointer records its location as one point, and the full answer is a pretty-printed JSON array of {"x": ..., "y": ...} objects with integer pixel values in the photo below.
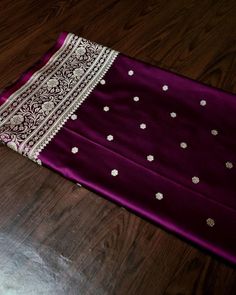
[
  {"x": 103, "y": 82},
  {"x": 183, "y": 145},
  {"x": 143, "y": 126},
  {"x": 173, "y": 115},
  {"x": 165, "y": 87},
  {"x": 159, "y": 196},
  {"x": 136, "y": 98},
  {"x": 229, "y": 165},
  {"x": 114, "y": 172},
  {"x": 106, "y": 109},
  {"x": 210, "y": 222},
  {"x": 74, "y": 117},
  {"x": 130, "y": 72},
  {"x": 203, "y": 102},
  {"x": 214, "y": 132},
  {"x": 150, "y": 158},
  {"x": 195, "y": 179},
  {"x": 74, "y": 150},
  {"x": 110, "y": 137}
]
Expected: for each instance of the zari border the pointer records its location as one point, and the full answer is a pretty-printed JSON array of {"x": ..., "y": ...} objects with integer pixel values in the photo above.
[
  {"x": 37, "y": 106},
  {"x": 80, "y": 99}
]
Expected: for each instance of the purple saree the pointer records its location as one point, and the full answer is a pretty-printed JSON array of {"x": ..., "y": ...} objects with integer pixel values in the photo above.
[{"x": 154, "y": 142}]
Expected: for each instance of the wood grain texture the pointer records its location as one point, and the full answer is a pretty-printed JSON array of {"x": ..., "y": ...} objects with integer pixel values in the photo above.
[{"x": 92, "y": 245}]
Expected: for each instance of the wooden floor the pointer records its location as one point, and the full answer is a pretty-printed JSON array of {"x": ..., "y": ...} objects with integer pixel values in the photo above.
[{"x": 57, "y": 238}]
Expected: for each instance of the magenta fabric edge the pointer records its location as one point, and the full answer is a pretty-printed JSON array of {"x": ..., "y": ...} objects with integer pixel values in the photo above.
[
  {"x": 26, "y": 75},
  {"x": 170, "y": 227}
]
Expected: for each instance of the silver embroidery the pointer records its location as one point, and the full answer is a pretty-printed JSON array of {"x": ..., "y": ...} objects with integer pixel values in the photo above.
[
  {"x": 32, "y": 115},
  {"x": 214, "y": 132},
  {"x": 150, "y": 158},
  {"x": 159, "y": 196},
  {"x": 130, "y": 73},
  {"x": 173, "y": 115},
  {"x": 195, "y": 179},
  {"x": 229, "y": 165},
  {"x": 74, "y": 117},
  {"x": 47, "y": 106},
  {"x": 52, "y": 83},
  {"x": 142, "y": 126},
  {"x": 183, "y": 145},
  {"x": 136, "y": 98},
  {"x": 80, "y": 51},
  {"x": 16, "y": 120},
  {"x": 210, "y": 222},
  {"x": 106, "y": 109},
  {"x": 165, "y": 87},
  {"x": 114, "y": 172},
  {"x": 78, "y": 72},
  {"x": 74, "y": 150},
  {"x": 110, "y": 137},
  {"x": 203, "y": 102}
]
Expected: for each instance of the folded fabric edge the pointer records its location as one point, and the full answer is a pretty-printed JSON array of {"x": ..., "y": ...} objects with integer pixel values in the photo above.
[
  {"x": 165, "y": 225},
  {"x": 104, "y": 58},
  {"x": 28, "y": 73}
]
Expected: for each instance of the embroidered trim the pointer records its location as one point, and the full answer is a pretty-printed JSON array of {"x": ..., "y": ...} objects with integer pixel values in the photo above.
[{"x": 32, "y": 115}]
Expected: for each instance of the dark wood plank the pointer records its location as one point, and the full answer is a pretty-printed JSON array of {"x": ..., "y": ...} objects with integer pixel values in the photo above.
[{"x": 62, "y": 239}]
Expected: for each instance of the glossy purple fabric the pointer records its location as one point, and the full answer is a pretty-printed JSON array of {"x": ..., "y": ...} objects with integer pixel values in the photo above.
[
  {"x": 185, "y": 206},
  {"x": 149, "y": 113}
]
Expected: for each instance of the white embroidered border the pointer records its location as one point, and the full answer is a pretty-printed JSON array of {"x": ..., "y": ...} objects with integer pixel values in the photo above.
[
  {"x": 62, "y": 120},
  {"x": 34, "y": 77},
  {"x": 32, "y": 116}
]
